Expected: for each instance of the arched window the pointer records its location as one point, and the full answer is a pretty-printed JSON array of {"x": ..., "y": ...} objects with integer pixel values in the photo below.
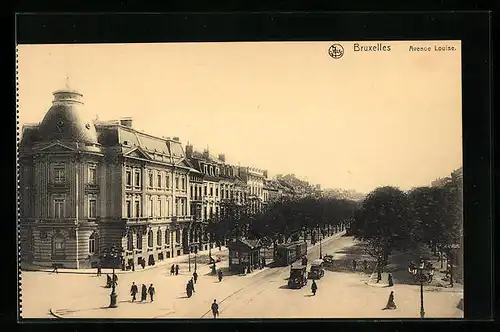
[
  {"x": 93, "y": 240},
  {"x": 130, "y": 241},
  {"x": 167, "y": 237},
  {"x": 58, "y": 245},
  {"x": 138, "y": 244},
  {"x": 150, "y": 238},
  {"x": 158, "y": 237}
]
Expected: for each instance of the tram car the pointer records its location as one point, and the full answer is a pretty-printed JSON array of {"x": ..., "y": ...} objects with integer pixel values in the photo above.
[{"x": 289, "y": 253}]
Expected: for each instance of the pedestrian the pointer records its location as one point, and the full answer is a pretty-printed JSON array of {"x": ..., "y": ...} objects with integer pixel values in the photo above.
[
  {"x": 176, "y": 269},
  {"x": 189, "y": 289},
  {"x": 389, "y": 280},
  {"x": 56, "y": 267},
  {"x": 263, "y": 262},
  {"x": 314, "y": 287},
  {"x": 108, "y": 281},
  {"x": 151, "y": 291},
  {"x": 144, "y": 293},
  {"x": 354, "y": 263},
  {"x": 219, "y": 274},
  {"x": 143, "y": 263},
  {"x": 195, "y": 276},
  {"x": 172, "y": 270},
  {"x": 133, "y": 291},
  {"x": 365, "y": 264},
  {"x": 215, "y": 309},
  {"x": 390, "y": 302},
  {"x": 99, "y": 270},
  {"x": 379, "y": 275},
  {"x": 115, "y": 279},
  {"x": 192, "y": 284}
]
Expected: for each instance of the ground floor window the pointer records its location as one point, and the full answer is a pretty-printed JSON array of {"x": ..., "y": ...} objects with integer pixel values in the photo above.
[
  {"x": 58, "y": 245},
  {"x": 92, "y": 243}
]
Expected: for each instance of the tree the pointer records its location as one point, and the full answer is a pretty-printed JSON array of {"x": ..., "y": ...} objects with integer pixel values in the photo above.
[{"x": 383, "y": 223}]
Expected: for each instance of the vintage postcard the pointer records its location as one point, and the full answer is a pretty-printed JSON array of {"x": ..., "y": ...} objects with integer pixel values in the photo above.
[{"x": 241, "y": 180}]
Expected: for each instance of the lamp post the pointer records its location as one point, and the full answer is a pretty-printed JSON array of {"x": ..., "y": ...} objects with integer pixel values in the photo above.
[
  {"x": 195, "y": 254},
  {"x": 114, "y": 255},
  {"x": 320, "y": 252},
  {"x": 422, "y": 274}
]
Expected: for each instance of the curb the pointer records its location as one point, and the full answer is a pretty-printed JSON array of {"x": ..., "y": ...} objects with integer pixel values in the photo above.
[{"x": 117, "y": 271}]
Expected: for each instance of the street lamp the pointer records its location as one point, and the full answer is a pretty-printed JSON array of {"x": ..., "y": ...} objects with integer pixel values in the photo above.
[
  {"x": 421, "y": 274},
  {"x": 114, "y": 256},
  {"x": 195, "y": 254},
  {"x": 320, "y": 252}
]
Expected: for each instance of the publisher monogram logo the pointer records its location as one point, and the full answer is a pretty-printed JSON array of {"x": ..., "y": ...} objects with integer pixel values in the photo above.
[{"x": 336, "y": 51}]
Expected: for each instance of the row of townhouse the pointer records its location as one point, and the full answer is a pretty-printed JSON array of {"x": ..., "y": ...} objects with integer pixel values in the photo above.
[{"x": 87, "y": 186}]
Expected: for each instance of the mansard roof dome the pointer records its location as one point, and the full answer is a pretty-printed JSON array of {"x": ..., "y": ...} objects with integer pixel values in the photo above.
[{"x": 66, "y": 119}]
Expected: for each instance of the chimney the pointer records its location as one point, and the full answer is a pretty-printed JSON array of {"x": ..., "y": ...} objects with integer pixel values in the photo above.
[
  {"x": 189, "y": 150},
  {"x": 126, "y": 122},
  {"x": 222, "y": 157},
  {"x": 175, "y": 138}
]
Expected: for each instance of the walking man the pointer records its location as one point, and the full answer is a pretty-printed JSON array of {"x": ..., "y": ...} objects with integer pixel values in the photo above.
[
  {"x": 172, "y": 270},
  {"x": 192, "y": 284},
  {"x": 215, "y": 309},
  {"x": 133, "y": 291},
  {"x": 144, "y": 293},
  {"x": 195, "y": 276},
  {"x": 99, "y": 269},
  {"x": 151, "y": 291},
  {"x": 354, "y": 263},
  {"x": 176, "y": 269}
]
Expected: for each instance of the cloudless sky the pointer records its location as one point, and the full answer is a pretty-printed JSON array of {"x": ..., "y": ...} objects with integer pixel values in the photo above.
[{"x": 365, "y": 120}]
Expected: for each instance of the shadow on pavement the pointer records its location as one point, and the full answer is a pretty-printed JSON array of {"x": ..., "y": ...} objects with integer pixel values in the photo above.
[
  {"x": 308, "y": 295},
  {"x": 285, "y": 286}
]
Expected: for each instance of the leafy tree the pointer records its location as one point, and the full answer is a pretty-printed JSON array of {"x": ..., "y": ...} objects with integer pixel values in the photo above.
[{"x": 383, "y": 221}]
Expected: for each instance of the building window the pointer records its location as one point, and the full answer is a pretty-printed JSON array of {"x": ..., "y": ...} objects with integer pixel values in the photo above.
[
  {"x": 137, "y": 179},
  {"x": 129, "y": 209},
  {"x": 158, "y": 237},
  {"x": 167, "y": 237},
  {"x": 167, "y": 180},
  {"x": 137, "y": 209},
  {"x": 59, "y": 208},
  {"x": 158, "y": 180},
  {"x": 216, "y": 192},
  {"x": 176, "y": 182},
  {"x": 59, "y": 174},
  {"x": 150, "y": 238},
  {"x": 130, "y": 241},
  {"x": 129, "y": 178},
  {"x": 205, "y": 169},
  {"x": 92, "y": 243},
  {"x": 58, "y": 245},
  {"x": 205, "y": 213},
  {"x": 205, "y": 190},
  {"x": 177, "y": 236},
  {"x": 191, "y": 192},
  {"x": 200, "y": 191},
  {"x": 92, "y": 207},
  {"x": 183, "y": 181},
  {"x": 159, "y": 208},
  {"x": 92, "y": 174},
  {"x": 151, "y": 178},
  {"x": 151, "y": 208},
  {"x": 138, "y": 244},
  {"x": 211, "y": 191},
  {"x": 182, "y": 207}
]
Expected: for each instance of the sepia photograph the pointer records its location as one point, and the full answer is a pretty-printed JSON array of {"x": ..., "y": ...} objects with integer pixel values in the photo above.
[{"x": 252, "y": 180}]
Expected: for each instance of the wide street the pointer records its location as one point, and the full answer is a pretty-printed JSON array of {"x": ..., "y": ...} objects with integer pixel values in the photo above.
[{"x": 262, "y": 294}]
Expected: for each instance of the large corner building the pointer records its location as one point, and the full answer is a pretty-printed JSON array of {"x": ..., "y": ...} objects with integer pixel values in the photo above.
[{"x": 88, "y": 185}]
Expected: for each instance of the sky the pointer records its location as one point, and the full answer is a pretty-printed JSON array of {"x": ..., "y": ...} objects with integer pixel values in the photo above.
[{"x": 366, "y": 120}]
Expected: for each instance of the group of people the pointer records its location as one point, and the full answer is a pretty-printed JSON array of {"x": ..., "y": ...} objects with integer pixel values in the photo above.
[
  {"x": 144, "y": 292},
  {"x": 174, "y": 269},
  {"x": 110, "y": 281}
]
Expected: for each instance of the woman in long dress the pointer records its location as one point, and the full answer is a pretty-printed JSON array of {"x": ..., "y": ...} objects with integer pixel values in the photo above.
[
  {"x": 144, "y": 293},
  {"x": 390, "y": 302}
]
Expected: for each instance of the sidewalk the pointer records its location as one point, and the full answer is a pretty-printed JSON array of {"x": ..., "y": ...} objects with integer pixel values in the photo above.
[{"x": 178, "y": 259}]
